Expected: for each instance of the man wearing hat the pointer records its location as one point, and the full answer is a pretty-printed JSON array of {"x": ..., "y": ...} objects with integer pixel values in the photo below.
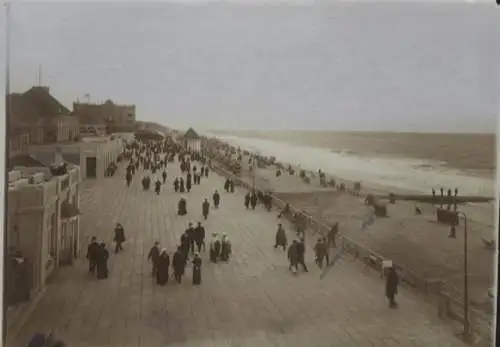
[{"x": 153, "y": 256}]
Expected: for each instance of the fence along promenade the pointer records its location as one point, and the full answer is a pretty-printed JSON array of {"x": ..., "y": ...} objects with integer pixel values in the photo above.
[{"x": 431, "y": 290}]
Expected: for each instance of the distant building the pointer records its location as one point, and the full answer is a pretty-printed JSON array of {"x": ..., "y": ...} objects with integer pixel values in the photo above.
[
  {"x": 108, "y": 115},
  {"x": 92, "y": 154},
  {"x": 37, "y": 114},
  {"x": 42, "y": 227},
  {"x": 191, "y": 140},
  {"x": 148, "y": 135}
]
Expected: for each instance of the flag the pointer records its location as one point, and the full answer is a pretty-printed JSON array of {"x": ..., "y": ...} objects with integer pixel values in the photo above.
[
  {"x": 367, "y": 221},
  {"x": 336, "y": 257}
]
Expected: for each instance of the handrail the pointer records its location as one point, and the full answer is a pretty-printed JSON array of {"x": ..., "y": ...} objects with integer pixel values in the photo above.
[{"x": 448, "y": 306}]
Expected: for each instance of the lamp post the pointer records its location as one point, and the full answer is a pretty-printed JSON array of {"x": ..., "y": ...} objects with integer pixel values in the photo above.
[{"x": 466, "y": 333}]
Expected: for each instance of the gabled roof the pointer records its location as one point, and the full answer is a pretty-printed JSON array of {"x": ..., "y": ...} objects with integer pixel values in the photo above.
[
  {"x": 191, "y": 134},
  {"x": 35, "y": 105}
]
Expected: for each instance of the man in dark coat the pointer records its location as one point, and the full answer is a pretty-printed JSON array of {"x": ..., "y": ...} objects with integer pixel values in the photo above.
[
  {"x": 332, "y": 235},
  {"x": 146, "y": 181},
  {"x": 321, "y": 252},
  {"x": 158, "y": 186},
  {"x": 154, "y": 254},
  {"x": 231, "y": 186},
  {"x": 253, "y": 200},
  {"x": 205, "y": 207},
  {"x": 301, "y": 250},
  {"x": 247, "y": 201},
  {"x": 216, "y": 199},
  {"x": 188, "y": 179},
  {"x": 185, "y": 244},
  {"x": 293, "y": 256},
  {"x": 199, "y": 234},
  {"x": 281, "y": 240},
  {"x": 191, "y": 236},
  {"x": 164, "y": 176},
  {"x": 226, "y": 185},
  {"x": 128, "y": 177},
  {"x": 196, "y": 270},
  {"x": 206, "y": 171},
  {"x": 215, "y": 248},
  {"x": 188, "y": 185},
  {"x": 176, "y": 185},
  {"x": 93, "y": 254},
  {"x": 391, "y": 287},
  {"x": 119, "y": 237},
  {"x": 163, "y": 267},
  {"x": 102, "y": 263},
  {"x": 179, "y": 264}
]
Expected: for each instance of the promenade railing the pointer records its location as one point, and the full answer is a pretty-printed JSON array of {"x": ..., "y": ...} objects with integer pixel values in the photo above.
[{"x": 433, "y": 290}]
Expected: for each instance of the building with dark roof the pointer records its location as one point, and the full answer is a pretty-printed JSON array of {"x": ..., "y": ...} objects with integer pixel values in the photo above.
[
  {"x": 115, "y": 117},
  {"x": 37, "y": 113}
]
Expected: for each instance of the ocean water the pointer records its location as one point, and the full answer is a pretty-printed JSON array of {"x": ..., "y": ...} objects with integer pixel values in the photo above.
[{"x": 418, "y": 175}]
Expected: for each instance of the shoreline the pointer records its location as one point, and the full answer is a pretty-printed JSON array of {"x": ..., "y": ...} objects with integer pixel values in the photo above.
[
  {"x": 367, "y": 186},
  {"x": 383, "y": 145}
]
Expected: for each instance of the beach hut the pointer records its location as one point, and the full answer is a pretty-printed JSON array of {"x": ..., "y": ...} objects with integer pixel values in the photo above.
[{"x": 192, "y": 140}]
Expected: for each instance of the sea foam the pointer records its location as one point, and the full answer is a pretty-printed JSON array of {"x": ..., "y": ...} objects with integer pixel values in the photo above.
[{"x": 403, "y": 174}]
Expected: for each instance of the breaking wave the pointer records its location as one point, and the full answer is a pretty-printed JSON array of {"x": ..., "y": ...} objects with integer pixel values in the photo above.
[{"x": 404, "y": 174}]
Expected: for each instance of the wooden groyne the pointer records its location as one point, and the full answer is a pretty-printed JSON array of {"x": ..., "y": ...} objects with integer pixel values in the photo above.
[{"x": 445, "y": 200}]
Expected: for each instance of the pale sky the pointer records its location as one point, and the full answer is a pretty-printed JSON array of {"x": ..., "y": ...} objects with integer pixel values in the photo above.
[{"x": 339, "y": 66}]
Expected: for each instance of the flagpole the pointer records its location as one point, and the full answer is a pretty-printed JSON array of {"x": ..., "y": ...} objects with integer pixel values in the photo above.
[{"x": 7, "y": 161}]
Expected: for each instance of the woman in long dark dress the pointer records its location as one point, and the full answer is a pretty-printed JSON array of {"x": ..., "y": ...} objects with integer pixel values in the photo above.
[
  {"x": 182, "y": 207},
  {"x": 163, "y": 266},
  {"x": 181, "y": 185},
  {"x": 102, "y": 262},
  {"x": 176, "y": 185},
  {"x": 391, "y": 287},
  {"x": 196, "y": 269}
]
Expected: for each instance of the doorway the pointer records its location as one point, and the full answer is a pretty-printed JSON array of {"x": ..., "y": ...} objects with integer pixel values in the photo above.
[{"x": 91, "y": 167}]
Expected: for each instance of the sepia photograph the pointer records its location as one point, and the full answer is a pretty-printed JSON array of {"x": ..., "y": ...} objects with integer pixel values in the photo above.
[{"x": 240, "y": 173}]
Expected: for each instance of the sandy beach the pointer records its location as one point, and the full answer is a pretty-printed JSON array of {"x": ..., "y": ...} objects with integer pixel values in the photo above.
[{"x": 417, "y": 242}]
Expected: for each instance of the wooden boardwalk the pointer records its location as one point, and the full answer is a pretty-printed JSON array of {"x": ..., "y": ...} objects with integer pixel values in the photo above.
[{"x": 251, "y": 301}]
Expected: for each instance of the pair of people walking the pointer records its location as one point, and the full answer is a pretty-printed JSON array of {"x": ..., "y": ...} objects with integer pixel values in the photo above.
[
  {"x": 220, "y": 248},
  {"x": 98, "y": 256}
]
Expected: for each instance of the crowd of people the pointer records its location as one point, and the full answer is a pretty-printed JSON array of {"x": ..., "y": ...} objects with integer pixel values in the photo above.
[{"x": 154, "y": 157}]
